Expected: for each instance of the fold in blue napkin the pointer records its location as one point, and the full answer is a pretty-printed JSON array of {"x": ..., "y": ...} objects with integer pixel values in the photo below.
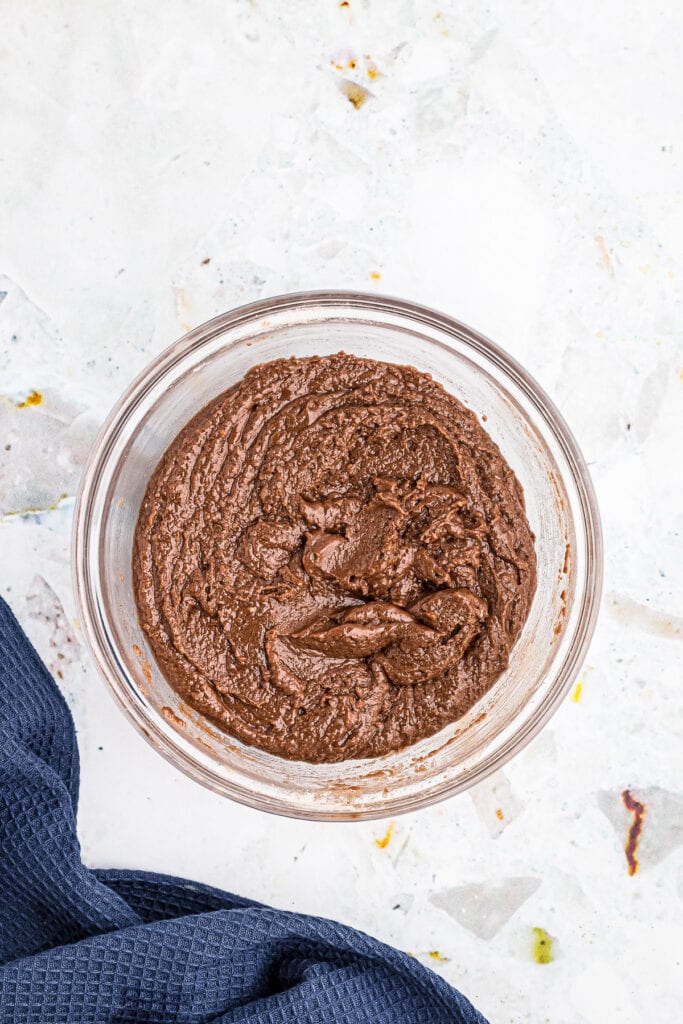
[{"x": 120, "y": 946}]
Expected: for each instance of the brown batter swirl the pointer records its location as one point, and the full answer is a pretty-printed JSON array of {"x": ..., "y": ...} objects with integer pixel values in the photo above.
[{"x": 332, "y": 559}]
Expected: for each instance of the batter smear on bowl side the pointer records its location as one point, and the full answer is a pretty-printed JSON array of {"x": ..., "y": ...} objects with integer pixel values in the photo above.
[{"x": 332, "y": 559}]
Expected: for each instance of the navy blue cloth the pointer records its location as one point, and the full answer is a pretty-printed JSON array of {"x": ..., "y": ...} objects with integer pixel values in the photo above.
[{"x": 120, "y": 946}]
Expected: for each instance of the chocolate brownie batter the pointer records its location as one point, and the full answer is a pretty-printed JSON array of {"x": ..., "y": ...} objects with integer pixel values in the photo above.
[{"x": 332, "y": 559}]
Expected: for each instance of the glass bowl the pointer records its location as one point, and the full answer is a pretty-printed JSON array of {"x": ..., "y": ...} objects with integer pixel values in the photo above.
[{"x": 533, "y": 438}]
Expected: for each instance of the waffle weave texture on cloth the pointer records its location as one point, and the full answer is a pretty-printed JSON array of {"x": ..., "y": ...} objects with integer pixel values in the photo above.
[{"x": 78, "y": 945}]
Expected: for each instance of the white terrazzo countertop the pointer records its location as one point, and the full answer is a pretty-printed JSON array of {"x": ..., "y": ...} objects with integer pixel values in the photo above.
[{"x": 517, "y": 164}]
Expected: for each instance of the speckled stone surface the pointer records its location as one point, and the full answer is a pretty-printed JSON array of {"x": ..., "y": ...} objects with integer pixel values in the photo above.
[{"x": 516, "y": 164}]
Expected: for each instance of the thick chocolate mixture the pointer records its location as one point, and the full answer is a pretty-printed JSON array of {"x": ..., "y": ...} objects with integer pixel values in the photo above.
[{"x": 332, "y": 559}]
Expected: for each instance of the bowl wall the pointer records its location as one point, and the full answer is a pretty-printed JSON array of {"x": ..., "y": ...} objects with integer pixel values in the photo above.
[{"x": 531, "y": 436}]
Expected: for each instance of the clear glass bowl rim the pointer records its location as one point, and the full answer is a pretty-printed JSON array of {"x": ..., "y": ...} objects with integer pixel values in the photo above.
[{"x": 378, "y": 306}]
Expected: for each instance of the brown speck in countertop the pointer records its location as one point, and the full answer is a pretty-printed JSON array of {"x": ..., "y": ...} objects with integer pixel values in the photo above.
[
  {"x": 205, "y": 262},
  {"x": 605, "y": 257},
  {"x": 631, "y": 848},
  {"x": 384, "y": 841},
  {"x": 640, "y": 616},
  {"x": 373, "y": 71},
  {"x": 32, "y": 398},
  {"x": 355, "y": 94}
]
